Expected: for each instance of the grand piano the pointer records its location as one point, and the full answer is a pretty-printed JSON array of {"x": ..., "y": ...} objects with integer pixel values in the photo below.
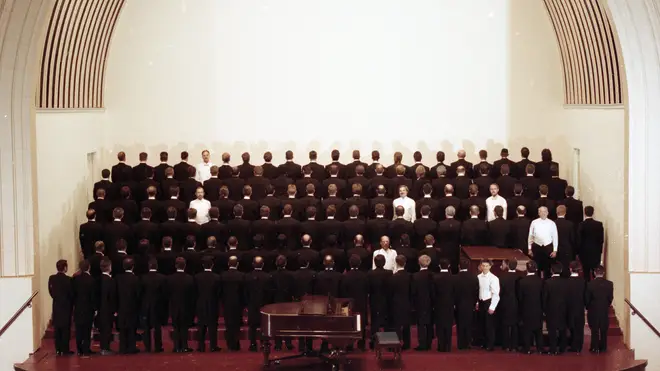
[{"x": 321, "y": 317}]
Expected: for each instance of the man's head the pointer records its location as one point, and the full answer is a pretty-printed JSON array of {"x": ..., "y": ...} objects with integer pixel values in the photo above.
[
  {"x": 425, "y": 210},
  {"x": 504, "y": 169},
  {"x": 199, "y": 193},
  {"x": 570, "y": 191},
  {"x": 424, "y": 261},
  {"x": 62, "y": 266},
  {"x": 357, "y": 189},
  {"x": 450, "y": 211},
  {"x": 247, "y": 191},
  {"x": 268, "y": 157},
  {"x": 589, "y": 211},
  {"x": 494, "y": 189},
  {"x": 441, "y": 171},
  {"x": 258, "y": 262},
  {"x": 288, "y": 155},
  {"x": 226, "y": 157},
  {"x": 384, "y": 242},
  {"x": 524, "y": 152},
  {"x": 356, "y": 155},
  {"x": 561, "y": 210},
  {"x": 461, "y": 154},
  {"x": 328, "y": 261},
  {"x": 543, "y": 190},
  {"x": 280, "y": 262},
  {"x": 485, "y": 265},
  {"x": 557, "y": 268},
  {"x": 399, "y": 211},
  {"x": 143, "y": 156},
  {"x": 310, "y": 211},
  {"x": 440, "y": 156},
  {"x": 417, "y": 156},
  {"x": 400, "y": 261},
  {"x": 531, "y": 266},
  {"x": 530, "y": 169},
  {"x": 206, "y": 156},
  {"x": 546, "y": 155},
  {"x": 599, "y": 271},
  {"x": 192, "y": 213},
  {"x": 353, "y": 211},
  {"x": 403, "y": 191},
  {"x": 543, "y": 212},
  {"x": 521, "y": 210},
  {"x": 379, "y": 261},
  {"x": 184, "y": 155},
  {"x": 375, "y": 156},
  {"x": 398, "y": 157},
  {"x": 180, "y": 263},
  {"x": 429, "y": 240},
  {"x": 245, "y": 157},
  {"x": 306, "y": 240},
  {"x": 121, "y": 156},
  {"x": 518, "y": 189},
  {"x": 498, "y": 211},
  {"x": 574, "y": 266},
  {"x": 358, "y": 240}
]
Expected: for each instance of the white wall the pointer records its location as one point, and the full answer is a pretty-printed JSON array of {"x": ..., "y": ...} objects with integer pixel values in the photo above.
[
  {"x": 255, "y": 75},
  {"x": 16, "y": 344},
  {"x": 63, "y": 139}
]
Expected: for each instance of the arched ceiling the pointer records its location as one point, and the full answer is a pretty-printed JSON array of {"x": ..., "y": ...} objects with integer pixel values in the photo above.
[
  {"x": 79, "y": 33},
  {"x": 75, "y": 53}
]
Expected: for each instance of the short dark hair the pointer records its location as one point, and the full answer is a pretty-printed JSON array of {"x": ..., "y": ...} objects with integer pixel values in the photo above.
[
  {"x": 531, "y": 266},
  {"x": 153, "y": 263},
  {"x": 444, "y": 264},
  {"x": 589, "y": 211},
  {"x": 84, "y": 265},
  {"x": 557, "y": 268},
  {"x": 180, "y": 263},
  {"x": 379, "y": 261},
  {"x": 105, "y": 173},
  {"x": 464, "y": 264},
  {"x": 570, "y": 191},
  {"x": 207, "y": 262},
  {"x": 512, "y": 264},
  {"x": 354, "y": 261},
  {"x": 574, "y": 266},
  {"x": 128, "y": 264}
]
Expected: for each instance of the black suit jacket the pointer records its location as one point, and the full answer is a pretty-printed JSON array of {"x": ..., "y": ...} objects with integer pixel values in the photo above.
[
  {"x": 258, "y": 292},
  {"x": 226, "y": 208},
  {"x": 378, "y": 180},
  {"x": 266, "y": 228},
  {"x": 566, "y": 235},
  {"x": 349, "y": 169},
  {"x": 514, "y": 202},
  {"x": 400, "y": 299},
  {"x": 574, "y": 210},
  {"x": 342, "y": 187},
  {"x": 289, "y": 227},
  {"x": 141, "y": 172},
  {"x": 464, "y": 212},
  {"x": 240, "y": 228},
  {"x": 328, "y": 282},
  {"x": 390, "y": 171},
  {"x": 598, "y": 298},
  {"x": 499, "y": 232},
  {"x": 89, "y": 233},
  {"x": 103, "y": 208},
  {"x": 341, "y": 167},
  {"x": 146, "y": 229},
  {"x": 376, "y": 228},
  {"x": 496, "y": 170},
  {"x": 233, "y": 296},
  {"x": 212, "y": 189},
  {"x": 355, "y": 285},
  {"x": 152, "y": 289},
  {"x": 270, "y": 171},
  {"x": 433, "y": 171},
  {"x": 379, "y": 293},
  {"x": 110, "y": 189},
  {"x": 173, "y": 229},
  {"x": 385, "y": 201},
  {"x": 439, "y": 185},
  {"x": 507, "y": 309},
  {"x": 469, "y": 171},
  {"x": 235, "y": 186},
  {"x": 521, "y": 167},
  {"x": 246, "y": 170},
  {"x": 591, "y": 237},
  {"x": 259, "y": 185},
  {"x": 180, "y": 292},
  {"x": 422, "y": 227},
  {"x": 159, "y": 171},
  {"x": 484, "y": 182},
  {"x": 275, "y": 206},
  {"x": 556, "y": 188},
  {"x": 114, "y": 232},
  {"x": 290, "y": 169},
  {"x": 445, "y": 297},
  {"x": 207, "y": 288},
  {"x": 547, "y": 202},
  {"x": 506, "y": 184},
  {"x": 61, "y": 291},
  {"x": 531, "y": 186},
  {"x": 398, "y": 227},
  {"x": 84, "y": 298},
  {"x": 188, "y": 188},
  {"x": 462, "y": 187},
  {"x": 432, "y": 204},
  {"x": 364, "y": 182},
  {"x": 351, "y": 228},
  {"x": 575, "y": 292},
  {"x": 530, "y": 300},
  {"x": 555, "y": 304},
  {"x": 301, "y": 186},
  {"x": 304, "y": 282},
  {"x": 181, "y": 171},
  {"x": 128, "y": 300},
  {"x": 543, "y": 169},
  {"x": 121, "y": 173},
  {"x": 165, "y": 185},
  {"x": 397, "y": 182},
  {"x": 520, "y": 233},
  {"x": 283, "y": 286},
  {"x": 250, "y": 208},
  {"x": 318, "y": 171},
  {"x": 156, "y": 206},
  {"x": 330, "y": 227},
  {"x": 474, "y": 232},
  {"x": 107, "y": 300},
  {"x": 445, "y": 202},
  {"x": 421, "y": 287},
  {"x": 449, "y": 237}
]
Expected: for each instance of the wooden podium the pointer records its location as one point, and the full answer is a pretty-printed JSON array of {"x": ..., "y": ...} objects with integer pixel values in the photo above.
[{"x": 495, "y": 254}]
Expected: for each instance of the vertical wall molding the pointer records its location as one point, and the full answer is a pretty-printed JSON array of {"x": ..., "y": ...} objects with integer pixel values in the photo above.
[
  {"x": 588, "y": 51},
  {"x": 75, "y": 53}
]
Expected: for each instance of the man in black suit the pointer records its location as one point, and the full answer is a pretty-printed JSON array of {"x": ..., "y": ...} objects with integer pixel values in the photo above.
[
  {"x": 106, "y": 184},
  {"x": 333, "y": 199},
  {"x": 265, "y": 227},
  {"x": 152, "y": 289},
  {"x": 530, "y": 182},
  {"x": 566, "y": 233},
  {"x": 207, "y": 288},
  {"x": 449, "y": 200},
  {"x": 307, "y": 178},
  {"x": 440, "y": 180},
  {"x": 283, "y": 287},
  {"x": 483, "y": 180},
  {"x": 145, "y": 229},
  {"x": 318, "y": 171},
  {"x": 462, "y": 183},
  {"x": 507, "y": 309},
  {"x": 102, "y": 206},
  {"x": 461, "y": 162},
  {"x": 473, "y": 200},
  {"x": 545, "y": 201},
  {"x": 591, "y": 237},
  {"x": 410, "y": 254},
  {"x": 399, "y": 226},
  {"x": 61, "y": 291},
  {"x": 424, "y": 225},
  {"x": 431, "y": 251},
  {"x": 289, "y": 227},
  {"x": 128, "y": 295},
  {"x": 521, "y": 165},
  {"x": 474, "y": 231},
  {"x": 449, "y": 235},
  {"x": 270, "y": 171},
  {"x": 381, "y": 198},
  {"x": 181, "y": 171},
  {"x": 483, "y": 161},
  {"x": 334, "y": 178},
  {"x": 95, "y": 259},
  {"x": 338, "y": 264},
  {"x": 443, "y": 296},
  {"x": 84, "y": 301},
  {"x": 598, "y": 298},
  {"x": 421, "y": 297},
  {"x": 281, "y": 184},
  {"x": 189, "y": 186},
  {"x": 167, "y": 184},
  {"x": 520, "y": 230},
  {"x": 341, "y": 168},
  {"x": 142, "y": 170},
  {"x": 166, "y": 257},
  {"x": 496, "y": 171},
  {"x": 310, "y": 227},
  {"x": 240, "y": 228},
  {"x": 259, "y": 183},
  {"x": 352, "y": 227},
  {"x": 543, "y": 166},
  {"x": 258, "y": 292},
  {"x": 121, "y": 172},
  {"x": 126, "y": 203},
  {"x": 173, "y": 229},
  {"x": 290, "y": 168},
  {"x": 350, "y": 169},
  {"x": 399, "y": 180},
  {"x": 506, "y": 182},
  {"x": 574, "y": 208},
  {"x": 370, "y": 171},
  {"x": 466, "y": 297},
  {"x": 154, "y": 205},
  {"x": 180, "y": 290},
  {"x": 530, "y": 301},
  {"x": 273, "y": 203},
  {"x": 192, "y": 257},
  {"x": 225, "y": 170},
  {"x": 518, "y": 199},
  {"x": 233, "y": 292},
  {"x": 107, "y": 306},
  {"x": 307, "y": 253},
  {"x": 499, "y": 229},
  {"x": 412, "y": 170},
  {"x": 556, "y": 185},
  {"x": 355, "y": 285},
  {"x": 555, "y": 292},
  {"x": 89, "y": 233},
  {"x": 331, "y": 225},
  {"x": 250, "y": 206},
  {"x": 379, "y": 179},
  {"x": 234, "y": 184},
  {"x": 225, "y": 205},
  {"x": 212, "y": 185},
  {"x": 245, "y": 169},
  {"x": 307, "y": 201},
  {"x": 426, "y": 200},
  {"x": 377, "y": 226},
  {"x": 362, "y": 180},
  {"x": 400, "y": 306},
  {"x": 378, "y": 280},
  {"x": 362, "y": 203},
  {"x": 159, "y": 170},
  {"x": 116, "y": 231},
  {"x": 304, "y": 279},
  {"x": 434, "y": 170},
  {"x": 575, "y": 299}
]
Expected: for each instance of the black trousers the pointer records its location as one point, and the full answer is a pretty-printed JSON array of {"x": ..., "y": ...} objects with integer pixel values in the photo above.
[
  {"x": 83, "y": 337},
  {"x": 424, "y": 335},
  {"x": 464, "y": 329},
  {"x": 105, "y": 333},
  {"x": 403, "y": 331},
  {"x": 157, "y": 332},
  {"x": 377, "y": 323},
  {"x": 253, "y": 334},
  {"x": 202, "y": 329},
  {"x": 180, "y": 336},
  {"x": 232, "y": 330},
  {"x": 486, "y": 325},
  {"x": 127, "y": 338},
  {"x": 305, "y": 344},
  {"x": 556, "y": 337},
  {"x": 509, "y": 336},
  {"x": 543, "y": 259},
  {"x": 530, "y": 336},
  {"x": 599, "y": 334},
  {"x": 443, "y": 333},
  {"x": 576, "y": 331},
  {"x": 62, "y": 337}
]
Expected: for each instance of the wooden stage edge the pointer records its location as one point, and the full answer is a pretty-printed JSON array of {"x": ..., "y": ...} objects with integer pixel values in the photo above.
[{"x": 495, "y": 254}]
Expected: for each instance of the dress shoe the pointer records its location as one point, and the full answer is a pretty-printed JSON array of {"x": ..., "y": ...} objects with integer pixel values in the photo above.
[
  {"x": 159, "y": 350},
  {"x": 107, "y": 352},
  {"x": 288, "y": 346},
  {"x": 252, "y": 348},
  {"x": 201, "y": 350},
  {"x": 89, "y": 353},
  {"x": 68, "y": 353},
  {"x": 215, "y": 349},
  {"x": 278, "y": 348},
  {"x": 186, "y": 350},
  {"x": 421, "y": 349}
]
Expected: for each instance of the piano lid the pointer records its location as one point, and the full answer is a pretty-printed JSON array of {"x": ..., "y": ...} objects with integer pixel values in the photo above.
[{"x": 310, "y": 306}]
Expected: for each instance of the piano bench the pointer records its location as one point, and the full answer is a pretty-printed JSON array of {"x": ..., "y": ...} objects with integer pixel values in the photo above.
[{"x": 387, "y": 341}]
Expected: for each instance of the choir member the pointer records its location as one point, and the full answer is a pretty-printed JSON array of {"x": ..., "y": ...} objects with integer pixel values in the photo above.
[
  {"x": 84, "y": 302},
  {"x": 496, "y": 171},
  {"x": 499, "y": 229},
  {"x": 328, "y": 280},
  {"x": 424, "y": 225},
  {"x": 591, "y": 237},
  {"x": 543, "y": 241},
  {"x": 159, "y": 170},
  {"x": 107, "y": 306},
  {"x": 576, "y": 306},
  {"x": 105, "y": 184},
  {"x": 153, "y": 313},
  {"x": 489, "y": 298},
  {"x": 317, "y": 171},
  {"x": 474, "y": 231},
  {"x": 400, "y": 308},
  {"x": 89, "y": 233},
  {"x": 355, "y": 285},
  {"x": 461, "y": 162},
  {"x": 212, "y": 185},
  {"x": 207, "y": 289},
  {"x": 128, "y": 299},
  {"x": 599, "y": 296},
  {"x": 449, "y": 235},
  {"x": 421, "y": 297},
  {"x": 466, "y": 297},
  {"x": 180, "y": 288},
  {"x": 507, "y": 310},
  {"x": 378, "y": 280},
  {"x": 61, "y": 291},
  {"x": 555, "y": 292},
  {"x": 233, "y": 292},
  {"x": 521, "y": 165},
  {"x": 283, "y": 287},
  {"x": 181, "y": 170},
  {"x": 530, "y": 299},
  {"x": 203, "y": 169},
  {"x": 245, "y": 169},
  {"x": 444, "y": 287},
  {"x": 270, "y": 171},
  {"x": 258, "y": 290}
]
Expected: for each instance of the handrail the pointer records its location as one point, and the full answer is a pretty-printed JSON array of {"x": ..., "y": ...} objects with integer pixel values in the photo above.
[
  {"x": 28, "y": 303},
  {"x": 635, "y": 311}
]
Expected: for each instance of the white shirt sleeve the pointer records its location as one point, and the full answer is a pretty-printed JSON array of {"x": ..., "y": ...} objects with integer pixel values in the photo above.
[
  {"x": 495, "y": 292},
  {"x": 504, "y": 206},
  {"x": 555, "y": 237},
  {"x": 413, "y": 212},
  {"x": 531, "y": 234}
]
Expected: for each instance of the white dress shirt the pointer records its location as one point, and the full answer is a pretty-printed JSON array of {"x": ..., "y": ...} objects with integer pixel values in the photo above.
[
  {"x": 544, "y": 232},
  {"x": 202, "y": 206},
  {"x": 390, "y": 258},
  {"x": 203, "y": 171},
  {"x": 491, "y": 202},
  {"x": 408, "y": 208},
  {"x": 489, "y": 289}
]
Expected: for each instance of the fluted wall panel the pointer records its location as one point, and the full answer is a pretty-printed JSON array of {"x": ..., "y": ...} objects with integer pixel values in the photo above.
[
  {"x": 75, "y": 53},
  {"x": 589, "y": 52}
]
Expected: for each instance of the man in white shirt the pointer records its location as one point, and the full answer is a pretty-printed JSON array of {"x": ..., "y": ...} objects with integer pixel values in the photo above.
[
  {"x": 204, "y": 167},
  {"x": 494, "y": 200},
  {"x": 387, "y": 252},
  {"x": 489, "y": 297},
  {"x": 201, "y": 205},
  {"x": 543, "y": 241},
  {"x": 407, "y": 203}
]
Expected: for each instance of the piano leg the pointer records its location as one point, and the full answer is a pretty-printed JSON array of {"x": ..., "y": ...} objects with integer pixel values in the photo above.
[{"x": 265, "y": 343}]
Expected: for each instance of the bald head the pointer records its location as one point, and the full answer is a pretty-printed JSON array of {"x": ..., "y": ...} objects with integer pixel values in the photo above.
[{"x": 461, "y": 154}]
